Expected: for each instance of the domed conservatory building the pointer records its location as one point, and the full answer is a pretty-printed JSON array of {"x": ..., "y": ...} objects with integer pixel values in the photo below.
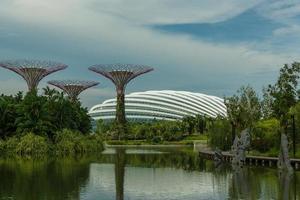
[{"x": 161, "y": 105}]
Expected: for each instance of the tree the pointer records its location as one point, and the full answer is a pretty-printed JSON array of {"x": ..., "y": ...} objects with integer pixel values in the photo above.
[
  {"x": 188, "y": 124},
  {"x": 200, "y": 123},
  {"x": 32, "y": 115},
  {"x": 243, "y": 109},
  {"x": 266, "y": 105},
  {"x": 8, "y": 114},
  {"x": 41, "y": 114},
  {"x": 284, "y": 92}
]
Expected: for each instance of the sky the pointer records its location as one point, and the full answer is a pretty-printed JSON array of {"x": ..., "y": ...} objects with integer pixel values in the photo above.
[{"x": 207, "y": 46}]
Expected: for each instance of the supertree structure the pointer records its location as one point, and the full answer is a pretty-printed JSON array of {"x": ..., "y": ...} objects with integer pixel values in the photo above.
[
  {"x": 120, "y": 75},
  {"x": 32, "y": 71},
  {"x": 73, "y": 87}
]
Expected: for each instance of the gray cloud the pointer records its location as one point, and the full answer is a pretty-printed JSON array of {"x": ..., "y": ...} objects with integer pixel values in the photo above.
[{"x": 81, "y": 35}]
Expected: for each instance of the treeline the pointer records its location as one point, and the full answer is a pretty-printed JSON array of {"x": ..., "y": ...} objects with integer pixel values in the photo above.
[
  {"x": 32, "y": 123},
  {"x": 276, "y": 113},
  {"x": 267, "y": 117},
  {"x": 156, "y": 131}
]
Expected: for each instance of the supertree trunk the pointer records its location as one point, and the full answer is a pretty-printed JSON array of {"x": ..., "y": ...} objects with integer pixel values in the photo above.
[
  {"x": 120, "y": 75},
  {"x": 120, "y": 114}
]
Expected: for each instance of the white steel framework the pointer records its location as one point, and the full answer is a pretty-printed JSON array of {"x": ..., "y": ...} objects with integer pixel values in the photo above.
[{"x": 162, "y": 105}]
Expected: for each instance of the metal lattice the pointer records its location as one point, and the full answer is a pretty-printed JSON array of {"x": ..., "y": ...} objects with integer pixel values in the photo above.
[
  {"x": 73, "y": 87},
  {"x": 120, "y": 74},
  {"x": 32, "y": 71}
]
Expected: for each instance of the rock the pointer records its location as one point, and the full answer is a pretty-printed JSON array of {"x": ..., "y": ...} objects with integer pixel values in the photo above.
[
  {"x": 239, "y": 147},
  {"x": 218, "y": 156},
  {"x": 284, "y": 162}
]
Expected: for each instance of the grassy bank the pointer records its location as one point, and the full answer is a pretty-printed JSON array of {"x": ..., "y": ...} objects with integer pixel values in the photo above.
[
  {"x": 188, "y": 140},
  {"x": 66, "y": 142}
]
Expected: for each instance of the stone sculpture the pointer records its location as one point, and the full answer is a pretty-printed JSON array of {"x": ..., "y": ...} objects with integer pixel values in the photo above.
[
  {"x": 239, "y": 147},
  {"x": 283, "y": 158},
  {"x": 218, "y": 156}
]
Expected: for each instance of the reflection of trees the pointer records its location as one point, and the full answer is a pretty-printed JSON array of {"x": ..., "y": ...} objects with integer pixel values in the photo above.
[
  {"x": 42, "y": 179},
  {"x": 180, "y": 161},
  {"x": 120, "y": 162},
  {"x": 284, "y": 184},
  {"x": 288, "y": 184},
  {"x": 262, "y": 183}
]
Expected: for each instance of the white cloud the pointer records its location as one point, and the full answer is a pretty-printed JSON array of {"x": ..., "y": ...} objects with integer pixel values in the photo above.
[
  {"x": 109, "y": 38},
  {"x": 279, "y": 10},
  {"x": 173, "y": 11}
]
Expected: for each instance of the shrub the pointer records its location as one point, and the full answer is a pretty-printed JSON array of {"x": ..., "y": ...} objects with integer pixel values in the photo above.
[
  {"x": 265, "y": 135},
  {"x": 69, "y": 142},
  {"x": 10, "y": 145},
  {"x": 2, "y": 146},
  {"x": 156, "y": 140},
  {"x": 220, "y": 134},
  {"x": 31, "y": 144}
]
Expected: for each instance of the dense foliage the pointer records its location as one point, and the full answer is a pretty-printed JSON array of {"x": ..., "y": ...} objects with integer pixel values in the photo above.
[
  {"x": 38, "y": 124},
  {"x": 265, "y": 117},
  {"x": 41, "y": 115},
  {"x": 156, "y": 131},
  {"x": 284, "y": 92}
]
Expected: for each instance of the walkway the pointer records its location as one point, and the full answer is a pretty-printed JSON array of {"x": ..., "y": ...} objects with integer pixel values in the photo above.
[{"x": 251, "y": 160}]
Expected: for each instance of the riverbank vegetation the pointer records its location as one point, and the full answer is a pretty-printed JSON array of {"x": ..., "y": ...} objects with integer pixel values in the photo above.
[
  {"x": 35, "y": 124},
  {"x": 276, "y": 111}
]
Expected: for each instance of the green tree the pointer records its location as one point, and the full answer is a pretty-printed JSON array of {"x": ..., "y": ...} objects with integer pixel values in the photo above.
[
  {"x": 284, "y": 92},
  {"x": 243, "y": 109},
  {"x": 188, "y": 124},
  {"x": 32, "y": 115},
  {"x": 266, "y": 104},
  {"x": 8, "y": 115}
]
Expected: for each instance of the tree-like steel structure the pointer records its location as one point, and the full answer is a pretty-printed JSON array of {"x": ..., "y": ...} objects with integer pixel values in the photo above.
[
  {"x": 120, "y": 75},
  {"x": 73, "y": 87},
  {"x": 32, "y": 71}
]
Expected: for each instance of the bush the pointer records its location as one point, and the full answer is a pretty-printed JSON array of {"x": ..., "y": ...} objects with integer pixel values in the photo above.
[
  {"x": 10, "y": 145},
  {"x": 31, "y": 144},
  {"x": 2, "y": 146},
  {"x": 156, "y": 140},
  {"x": 220, "y": 134},
  {"x": 69, "y": 142},
  {"x": 265, "y": 135}
]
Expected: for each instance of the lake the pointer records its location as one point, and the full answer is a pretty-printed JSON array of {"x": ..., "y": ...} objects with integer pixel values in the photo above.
[{"x": 140, "y": 173}]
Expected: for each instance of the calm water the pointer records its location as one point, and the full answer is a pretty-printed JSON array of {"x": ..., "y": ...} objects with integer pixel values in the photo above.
[{"x": 146, "y": 174}]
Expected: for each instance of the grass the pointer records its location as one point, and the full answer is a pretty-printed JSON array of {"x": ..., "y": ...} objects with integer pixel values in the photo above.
[
  {"x": 196, "y": 137},
  {"x": 188, "y": 140},
  {"x": 275, "y": 152},
  {"x": 145, "y": 142}
]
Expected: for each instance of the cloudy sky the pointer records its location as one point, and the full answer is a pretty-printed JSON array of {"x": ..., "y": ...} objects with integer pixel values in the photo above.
[{"x": 207, "y": 46}]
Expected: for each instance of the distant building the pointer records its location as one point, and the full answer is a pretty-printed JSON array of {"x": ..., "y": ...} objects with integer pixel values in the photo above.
[{"x": 161, "y": 105}]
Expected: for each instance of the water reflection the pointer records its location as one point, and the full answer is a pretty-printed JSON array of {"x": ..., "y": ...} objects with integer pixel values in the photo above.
[
  {"x": 120, "y": 163},
  {"x": 147, "y": 174},
  {"x": 42, "y": 179}
]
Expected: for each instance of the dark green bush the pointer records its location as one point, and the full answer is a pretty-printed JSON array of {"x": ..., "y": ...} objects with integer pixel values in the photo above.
[
  {"x": 220, "y": 134},
  {"x": 10, "y": 145},
  {"x": 69, "y": 142},
  {"x": 2, "y": 146},
  {"x": 156, "y": 140},
  {"x": 265, "y": 135}
]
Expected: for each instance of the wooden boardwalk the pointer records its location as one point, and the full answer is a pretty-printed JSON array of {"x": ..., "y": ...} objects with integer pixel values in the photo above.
[{"x": 250, "y": 160}]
